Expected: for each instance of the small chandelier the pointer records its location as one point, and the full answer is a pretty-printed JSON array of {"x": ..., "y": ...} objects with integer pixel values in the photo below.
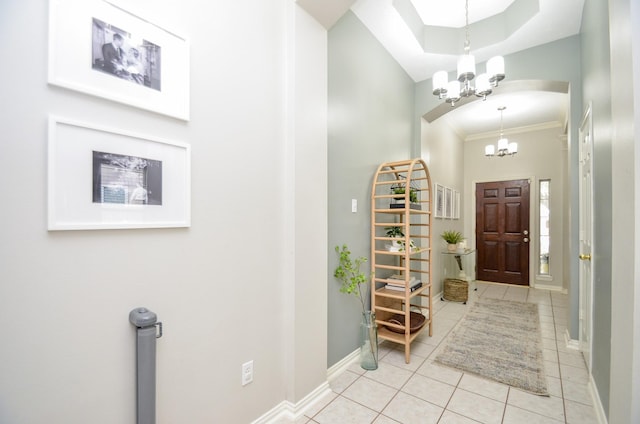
[
  {"x": 504, "y": 147},
  {"x": 452, "y": 91}
]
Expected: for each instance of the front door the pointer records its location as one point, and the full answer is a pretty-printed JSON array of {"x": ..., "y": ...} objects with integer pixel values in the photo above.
[{"x": 502, "y": 231}]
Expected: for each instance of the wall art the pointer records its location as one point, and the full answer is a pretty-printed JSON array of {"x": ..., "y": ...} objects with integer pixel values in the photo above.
[
  {"x": 101, "y": 178},
  {"x": 98, "y": 48}
]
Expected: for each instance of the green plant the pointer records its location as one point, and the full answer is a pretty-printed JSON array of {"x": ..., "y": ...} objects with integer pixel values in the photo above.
[
  {"x": 394, "y": 232},
  {"x": 452, "y": 237},
  {"x": 413, "y": 193},
  {"x": 349, "y": 273}
]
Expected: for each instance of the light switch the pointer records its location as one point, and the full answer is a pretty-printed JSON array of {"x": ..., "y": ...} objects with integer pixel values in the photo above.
[{"x": 354, "y": 205}]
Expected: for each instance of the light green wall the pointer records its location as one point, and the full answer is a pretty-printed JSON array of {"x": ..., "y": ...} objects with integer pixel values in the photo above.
[
  {"x": 596, "y": 89},
  {"x": 370, "y": 122}
]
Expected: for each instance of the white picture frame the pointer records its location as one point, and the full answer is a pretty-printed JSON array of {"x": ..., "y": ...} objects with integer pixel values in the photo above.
[
  {"x": 456, "y": 207},
  {"x": 102, "y": 178},
  {"x": 439, "y": 201},
  {"x": 149, "y": 65},
  {"x": 448, "y": 203}
]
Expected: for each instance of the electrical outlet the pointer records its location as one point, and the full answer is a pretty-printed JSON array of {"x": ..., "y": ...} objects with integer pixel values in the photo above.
[{"x": 247, "y": 373}]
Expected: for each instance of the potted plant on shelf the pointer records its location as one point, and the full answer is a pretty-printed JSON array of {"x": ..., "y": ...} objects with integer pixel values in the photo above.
[
  {"x": 351, "y": 277},
  {"x": 452, "y": 238},
  {"x": 396, "y": 233},
  {"x": 400, "y": 191}
]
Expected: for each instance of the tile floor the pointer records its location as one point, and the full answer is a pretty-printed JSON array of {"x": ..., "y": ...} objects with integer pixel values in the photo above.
[{"x": 424, "y": 392}]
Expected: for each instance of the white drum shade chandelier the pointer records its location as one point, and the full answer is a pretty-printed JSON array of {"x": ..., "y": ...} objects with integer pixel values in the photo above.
[
  {"x": 452, "y": 91},
  {"x": 504, "y": 147}
]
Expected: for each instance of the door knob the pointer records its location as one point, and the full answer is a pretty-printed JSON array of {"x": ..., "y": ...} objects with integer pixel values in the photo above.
[
  {"x": 525, "y": 232},
  {"x": 584, "y": 257},
  {"x": 526, "y": 240}
]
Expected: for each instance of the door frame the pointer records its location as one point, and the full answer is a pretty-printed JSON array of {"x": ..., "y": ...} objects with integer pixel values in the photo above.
[{"x": 533, "y": 225}]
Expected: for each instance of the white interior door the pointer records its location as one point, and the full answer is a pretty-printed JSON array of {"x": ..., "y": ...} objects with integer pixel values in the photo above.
[{"x": 586, "y": 232}]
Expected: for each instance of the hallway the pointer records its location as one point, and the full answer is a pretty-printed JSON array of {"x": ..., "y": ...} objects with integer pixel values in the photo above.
[{"x": 423, "y": 392}]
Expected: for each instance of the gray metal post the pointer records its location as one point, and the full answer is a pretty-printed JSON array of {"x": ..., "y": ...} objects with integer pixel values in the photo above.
[{"x": 145, "y": 321}]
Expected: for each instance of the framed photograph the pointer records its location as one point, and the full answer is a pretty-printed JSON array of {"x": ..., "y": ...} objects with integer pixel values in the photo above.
[
  {"x": 448, "y": 202},
  {"x": 101, "y": 178},
  {"x": 439, "y": 209},
  {"x": 98, "y": 48},
  {"x": 456, "y": 204}
]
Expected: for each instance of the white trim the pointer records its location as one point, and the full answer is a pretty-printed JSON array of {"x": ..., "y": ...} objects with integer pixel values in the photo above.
[
  {"x": 286, "y": 409},
  {"x": 569, "y": 342},
  {"x": 342, "y": 365},
  {"x": 550, "y": 288},
  {"x": 597, "y": 404}
]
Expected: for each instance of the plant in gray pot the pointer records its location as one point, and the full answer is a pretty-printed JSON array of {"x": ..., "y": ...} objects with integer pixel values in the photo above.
[{"x": 351, "y": 277}]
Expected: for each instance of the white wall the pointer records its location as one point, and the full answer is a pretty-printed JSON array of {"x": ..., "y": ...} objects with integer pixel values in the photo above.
[
  {"x": 540, "y": 156},
  {"x": 443, "y": 151},
  {"x": 220, "y": 287},
  {"x": 305, "y": 185},
  {"x": 624, "y": 18}
]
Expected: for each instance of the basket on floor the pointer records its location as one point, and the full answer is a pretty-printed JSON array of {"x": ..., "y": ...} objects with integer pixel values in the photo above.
[{"x": 456, "y": 290}]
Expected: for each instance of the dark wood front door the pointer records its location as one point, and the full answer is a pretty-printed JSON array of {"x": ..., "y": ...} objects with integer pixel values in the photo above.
[{"x": 502, "y": 231}]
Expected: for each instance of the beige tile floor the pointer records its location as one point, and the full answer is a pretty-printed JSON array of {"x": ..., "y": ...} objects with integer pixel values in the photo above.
[{"x": 424, "y": 392}]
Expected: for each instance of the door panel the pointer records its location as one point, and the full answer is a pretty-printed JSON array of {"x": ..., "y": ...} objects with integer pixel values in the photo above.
[
  {"x": 585, "y": 317},
  {"x": 502, "y": 222}
]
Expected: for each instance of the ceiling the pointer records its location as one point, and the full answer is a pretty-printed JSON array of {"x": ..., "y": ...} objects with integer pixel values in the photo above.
[{"x": 424, "y": 36}]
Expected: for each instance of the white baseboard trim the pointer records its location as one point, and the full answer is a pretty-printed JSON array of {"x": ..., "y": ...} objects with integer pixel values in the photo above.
[
  {"x": 597, "y": 404},
  {"x": 550, "y": 288},
  {"x": 342, "y": 365},
  {"x": 293, "y": 411},
  {"x": 569, "y": 342}
]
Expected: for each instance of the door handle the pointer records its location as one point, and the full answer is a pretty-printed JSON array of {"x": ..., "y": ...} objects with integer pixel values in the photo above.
[
  {"x": 525, "y": 232},
  {"x": 526, "y": 240},
  {"x": 584, "y": 257}
]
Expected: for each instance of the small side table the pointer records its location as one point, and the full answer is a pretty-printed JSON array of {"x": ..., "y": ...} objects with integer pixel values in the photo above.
[{"x": 457, "y": 271}]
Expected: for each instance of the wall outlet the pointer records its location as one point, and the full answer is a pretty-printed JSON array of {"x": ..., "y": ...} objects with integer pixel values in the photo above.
[{"x": 247, "y": 373}]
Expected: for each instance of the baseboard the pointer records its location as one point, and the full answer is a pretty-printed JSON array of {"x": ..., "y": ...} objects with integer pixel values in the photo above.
[
  {"x": 569, "y": 342},
  {"x": 550, "y": 288},
  {"x": 342, "y": 365},
  {"x": 293, "y": 411},
  {"x": 597, "y": 404}
]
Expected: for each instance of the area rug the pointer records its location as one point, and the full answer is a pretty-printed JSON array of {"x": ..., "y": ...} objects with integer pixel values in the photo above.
[{"x": 499, "y": 340}]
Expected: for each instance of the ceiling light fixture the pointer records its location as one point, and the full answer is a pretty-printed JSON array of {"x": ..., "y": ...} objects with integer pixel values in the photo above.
[
  {"x": 504, "y": 147},
  {"x": 451, "y": 91}
]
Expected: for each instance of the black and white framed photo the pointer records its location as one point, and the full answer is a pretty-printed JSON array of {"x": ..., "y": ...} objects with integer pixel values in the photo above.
[
  {"x": 99, "y": 48},
  {"x": 456, "y": 204},
  {"x": 448, "y": 202},
  {"x": 101, "y": 178},
  {"x": 439, "y": 209}
]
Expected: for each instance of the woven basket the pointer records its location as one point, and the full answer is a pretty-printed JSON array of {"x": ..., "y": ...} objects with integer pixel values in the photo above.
[
  {"x": 416, "y": 321},
  {"x": 456, "y": 290}
]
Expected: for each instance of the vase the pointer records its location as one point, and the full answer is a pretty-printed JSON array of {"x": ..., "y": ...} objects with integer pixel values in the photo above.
[{"x": 369, "y": 341}]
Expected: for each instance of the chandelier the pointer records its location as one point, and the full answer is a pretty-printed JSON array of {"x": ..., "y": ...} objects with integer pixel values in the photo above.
[
  {"x": 504, "y": 147},
  {"x": 452, "y": 91}
]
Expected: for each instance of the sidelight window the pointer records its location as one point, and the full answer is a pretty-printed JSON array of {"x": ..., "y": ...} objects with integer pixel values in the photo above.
[{"x": 544, "y": 213}]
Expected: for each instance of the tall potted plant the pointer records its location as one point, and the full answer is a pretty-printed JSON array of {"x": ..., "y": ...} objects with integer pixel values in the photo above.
[{"x": 351, "y": 277}]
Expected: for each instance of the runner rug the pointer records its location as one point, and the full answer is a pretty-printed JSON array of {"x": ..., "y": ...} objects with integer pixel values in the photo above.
[{"x": 499, "y": 340}]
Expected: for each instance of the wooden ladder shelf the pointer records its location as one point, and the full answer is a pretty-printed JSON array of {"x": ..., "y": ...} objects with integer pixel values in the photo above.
[{"x": 401, "y": 197}]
